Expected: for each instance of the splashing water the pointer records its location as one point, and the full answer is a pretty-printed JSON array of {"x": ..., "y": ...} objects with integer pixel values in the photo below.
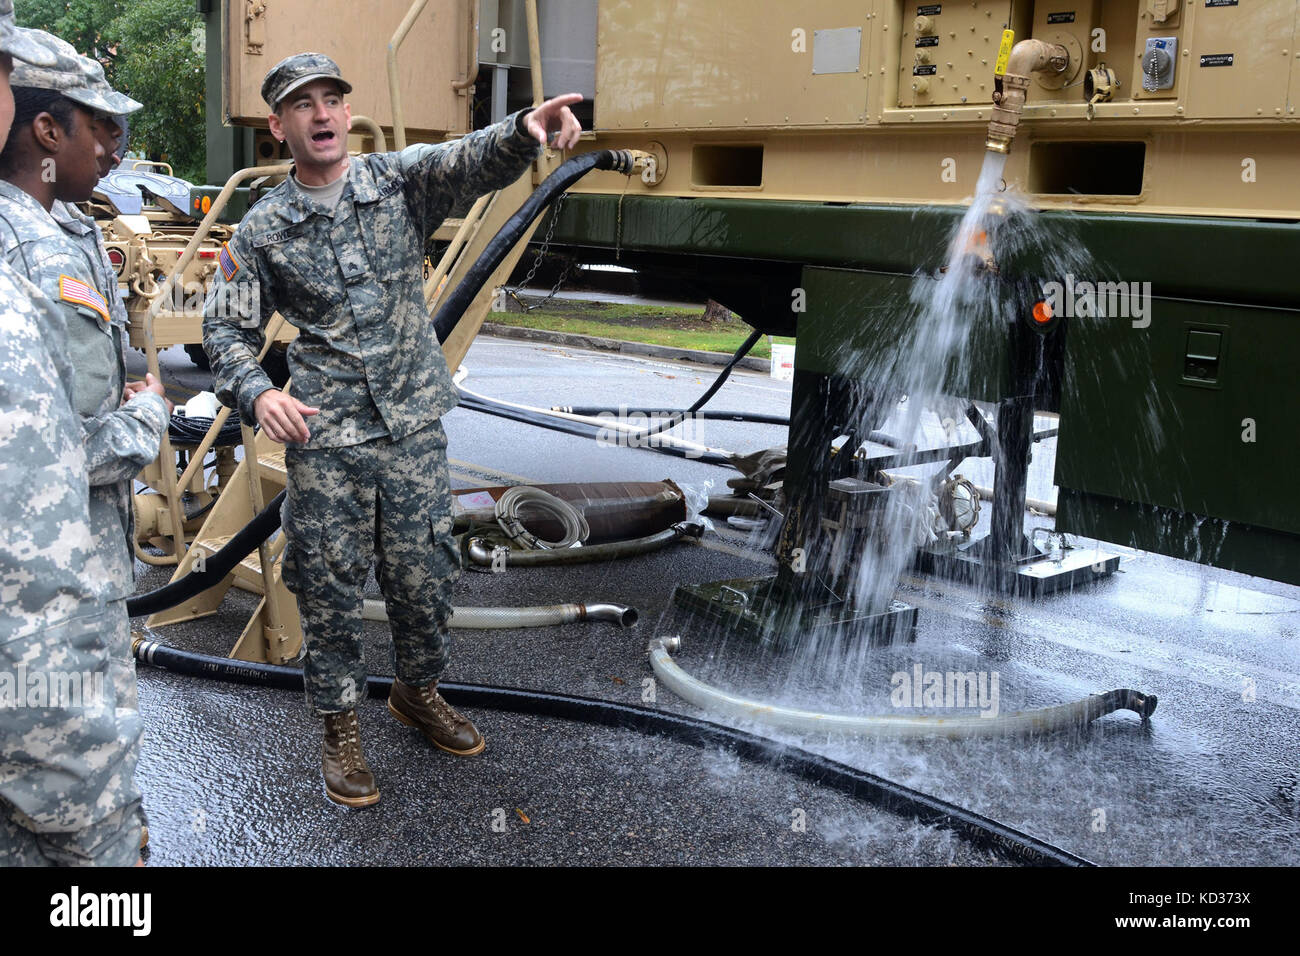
[
  {"x": 952, "y": 327},
  {"x": 956, "y": 328}
]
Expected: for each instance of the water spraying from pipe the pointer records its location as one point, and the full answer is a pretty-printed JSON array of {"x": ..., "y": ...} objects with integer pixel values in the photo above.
[{"x": 1026, "y": 58}]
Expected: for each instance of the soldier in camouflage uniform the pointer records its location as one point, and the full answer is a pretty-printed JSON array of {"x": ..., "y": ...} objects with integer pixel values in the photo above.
[
  {"x": 81, "y": 228},
  {"x": 338, "y": 250},
  {"x": 120, "y": 438},
  {"x": 66, "y": 765},
  {"x": 110, "y": 133}
]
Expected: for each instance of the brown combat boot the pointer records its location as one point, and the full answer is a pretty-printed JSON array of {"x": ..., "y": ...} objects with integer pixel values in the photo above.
[
  {"x": 347, "y": 778},
  {"x": 424, "y": 709}
]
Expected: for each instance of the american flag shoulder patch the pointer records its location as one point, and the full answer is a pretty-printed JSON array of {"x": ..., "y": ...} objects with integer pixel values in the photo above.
[
  {"x": 229, "y": 266},
  {"x": 78, "y": 293}
]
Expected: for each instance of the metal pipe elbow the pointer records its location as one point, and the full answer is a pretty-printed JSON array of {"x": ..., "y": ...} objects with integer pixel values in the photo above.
[
  {"x": 1037, "y": 56},
  {"x": 1027, "y": 57},
  {"x": 619, "y": 614}
]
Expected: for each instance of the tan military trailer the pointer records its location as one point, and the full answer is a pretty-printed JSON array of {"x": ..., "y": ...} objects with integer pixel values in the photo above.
[{"x": 803, "y": 163}]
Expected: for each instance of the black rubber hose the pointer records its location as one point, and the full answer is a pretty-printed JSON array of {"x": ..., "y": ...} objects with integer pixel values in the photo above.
[
  {"x": 676, "y": 418},
  {"x": 709, "y": 392},
  {"x": 192, "y": 431},
  {"x": 977, "y": 829},
  {"x": 488, "y": 407},
  {"x": 751, "y": 417},
  {"x": 450, "y": 312},
  {"x": 215, "y": 567}
]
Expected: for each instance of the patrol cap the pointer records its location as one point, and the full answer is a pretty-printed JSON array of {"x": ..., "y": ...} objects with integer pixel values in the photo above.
[
  {"x": 65, "y": 76},
  {"x": 94, "y": 71},
  {"x": 18, "y": 42},
  {"x": 294, "y": 71}
]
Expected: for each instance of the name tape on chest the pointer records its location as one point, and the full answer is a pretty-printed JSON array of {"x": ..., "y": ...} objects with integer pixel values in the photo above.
[
  {"x": 229, "y": 265},
  {"x": 280, "y": 235},
  {"x": 78, "y": 293}
]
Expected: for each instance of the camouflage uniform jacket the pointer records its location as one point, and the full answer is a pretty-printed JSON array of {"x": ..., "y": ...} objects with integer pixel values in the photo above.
[
  {"x": 60, "y": 766},
  {"x": 120, "y": 439},
  {"x": 350, "y": 280},
  {"x": 87, "y": 234}
]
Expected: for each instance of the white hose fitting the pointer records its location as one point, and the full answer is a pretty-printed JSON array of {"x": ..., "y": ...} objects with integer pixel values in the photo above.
[
  {"x": 1044, "y": 720},
  {"x": 497, "y": 618}
]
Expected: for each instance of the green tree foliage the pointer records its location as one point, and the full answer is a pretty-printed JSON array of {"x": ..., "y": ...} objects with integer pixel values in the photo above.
[
  {"x": 80, "y": 22},
  {"x": 146, "y": 47},
  {"x": 157, "y": 65}
]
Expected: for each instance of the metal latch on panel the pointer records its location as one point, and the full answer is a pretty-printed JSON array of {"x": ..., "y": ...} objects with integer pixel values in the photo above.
[
  {"x": 1158, "y": 63},
  {"x": 1162, "y": 11},
  {"x": 1201, "y": 360},
  {"x": 254, "y": 26}
]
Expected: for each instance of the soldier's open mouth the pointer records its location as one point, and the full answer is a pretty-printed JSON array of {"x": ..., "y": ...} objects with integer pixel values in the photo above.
[{"x": 323, "y": 137}]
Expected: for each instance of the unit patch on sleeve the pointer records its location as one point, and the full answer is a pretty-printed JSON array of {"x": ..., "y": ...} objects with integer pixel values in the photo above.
[
  {"x": 78, "y": 293},
  {"x": 228, "y": 264}
]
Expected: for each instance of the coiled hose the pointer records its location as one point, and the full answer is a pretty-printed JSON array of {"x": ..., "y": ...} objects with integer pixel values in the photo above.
[
  {"x": 978, "y": 830},
  {"x": 191, "y": 431},
  {"x": 1044, "y": 720},
  {"x": 519, "y": 497},
  {"x": 480, "y": 552},
  {"x": 450, "y": 312}
]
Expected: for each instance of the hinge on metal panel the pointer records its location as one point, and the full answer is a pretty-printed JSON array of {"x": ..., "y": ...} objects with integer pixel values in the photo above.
[{"x": 254, "y": 26}]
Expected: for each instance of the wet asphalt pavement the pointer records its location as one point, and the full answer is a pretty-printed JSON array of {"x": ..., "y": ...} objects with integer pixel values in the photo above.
[{"x": 231, "y": 774}]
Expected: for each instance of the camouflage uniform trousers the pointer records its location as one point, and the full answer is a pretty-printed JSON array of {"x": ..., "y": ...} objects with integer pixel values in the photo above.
[
  {"x": 382, "y": 499},
  {"x": 93, "y": 742}
]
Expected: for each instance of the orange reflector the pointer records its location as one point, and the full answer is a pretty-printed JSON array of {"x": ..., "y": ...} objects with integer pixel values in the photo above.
[
  {"x": 207, "y": 203},
  {"x": 1042, "y": 313}
]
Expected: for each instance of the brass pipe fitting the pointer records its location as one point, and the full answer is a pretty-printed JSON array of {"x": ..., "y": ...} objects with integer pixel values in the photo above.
[{"x": 1027, "y": 57}]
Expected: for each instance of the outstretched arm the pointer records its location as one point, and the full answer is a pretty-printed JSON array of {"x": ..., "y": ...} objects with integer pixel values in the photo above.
[
  {"x": 441, "y": 174},
  {"x": 554, "y": 120}
]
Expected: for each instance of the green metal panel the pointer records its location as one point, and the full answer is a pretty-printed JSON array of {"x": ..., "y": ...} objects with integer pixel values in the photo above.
[
  {"x": 1195, "y": 413},
  {"x": 1238, "y": 547},
  {"x": 1151, "y": 449},
  {"x": 235, "y": 207},
  {"x": 859, "y": 323},
  {"x": 1242, "y": 260}
]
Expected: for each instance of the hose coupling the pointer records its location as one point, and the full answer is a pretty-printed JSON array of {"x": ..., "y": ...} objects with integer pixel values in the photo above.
[
  {"x": 671, "y": 644},
  {"x": 624, "y": 162}
]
